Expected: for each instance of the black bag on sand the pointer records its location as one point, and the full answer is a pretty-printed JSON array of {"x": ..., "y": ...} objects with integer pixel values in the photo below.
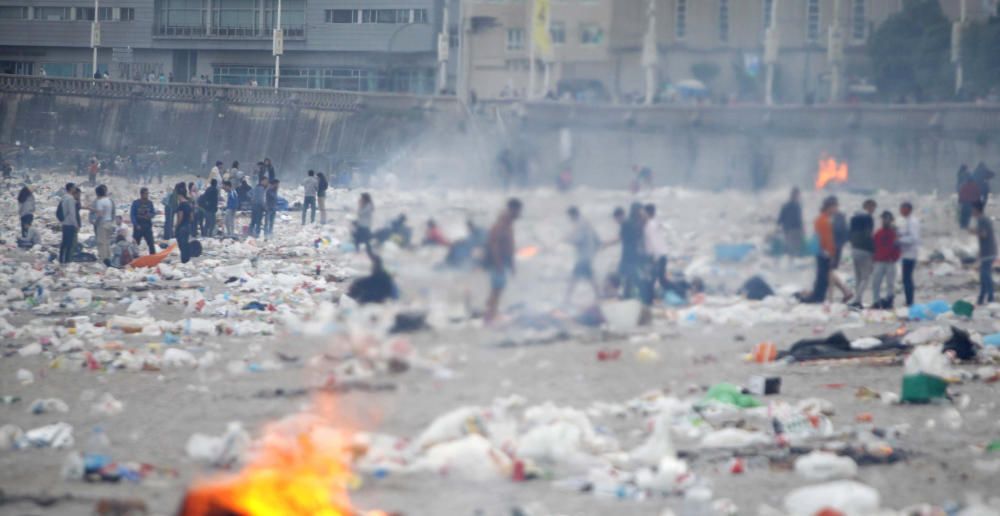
[{"x": 195, "y": 246}]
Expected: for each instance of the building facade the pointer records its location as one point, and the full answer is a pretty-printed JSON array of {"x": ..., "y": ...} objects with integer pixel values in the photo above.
[
  {"x": 352, "y": 45},
  {"x": 717, "y": 43}
]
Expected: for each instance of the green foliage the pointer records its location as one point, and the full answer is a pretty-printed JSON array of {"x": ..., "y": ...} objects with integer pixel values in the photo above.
[
  {"x": 981, "y": 58},
  {"x": 910, "y": 53}
]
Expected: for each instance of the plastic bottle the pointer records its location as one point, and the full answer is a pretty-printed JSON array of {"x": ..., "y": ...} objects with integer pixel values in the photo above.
[
  {"x": 98, "y": 443},
  {"x": 73, "y": 468},
  {"x": 697, "y": 502}
]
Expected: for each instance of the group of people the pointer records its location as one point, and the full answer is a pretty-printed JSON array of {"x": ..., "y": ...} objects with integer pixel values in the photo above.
[
  {"x": 641, "y": 269},
  {"x": 878, "y": 248}
]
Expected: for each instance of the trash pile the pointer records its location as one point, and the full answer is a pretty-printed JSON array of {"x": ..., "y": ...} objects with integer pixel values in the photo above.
[{"x": 249, "y": 311}]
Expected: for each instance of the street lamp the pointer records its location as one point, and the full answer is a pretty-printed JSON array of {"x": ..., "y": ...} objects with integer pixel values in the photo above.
[
  {"x": 95, "y": 34},
  {"x": 277, "y": 46}
]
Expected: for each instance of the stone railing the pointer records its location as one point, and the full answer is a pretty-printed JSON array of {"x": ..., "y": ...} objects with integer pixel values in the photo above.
[
  {"x": 188, "y": 92},
  {"x": 819, "y": 119}
]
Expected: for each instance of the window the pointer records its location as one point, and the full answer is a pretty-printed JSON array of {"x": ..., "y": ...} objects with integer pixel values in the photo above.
[
  {"x": 515, "y": 39},
  {"x": 724, "y": 21},
  {"x": 126, "y": 14},
  {"x": 59, "y": 69},
  {"x": 680, "y": 19},
  {"x": 87, "y": 13},
  {"x": 557, "y": 31},
  {"x": 52, "y": 13},
  {"x": 341, "y": 15},
  {"x": 591, "y": 34},
  {"x": 768, "y": 11},
  {"x": 859, "y": 25},
  {"x": 17, "y": 67},
  {"x": 453, "y": 37},
  {"x": 391, "y": 16},
  {"x": 13, "y": 13},
  {"x": 812, "y": 20}
]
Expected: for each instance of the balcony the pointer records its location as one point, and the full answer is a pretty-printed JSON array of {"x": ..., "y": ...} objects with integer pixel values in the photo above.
[{"x": 292, "y": 32}]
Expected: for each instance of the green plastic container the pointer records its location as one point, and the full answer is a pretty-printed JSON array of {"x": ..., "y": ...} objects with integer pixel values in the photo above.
[
  {"x": 963, "y": 308},
  {"x": 922, "y": 388}
]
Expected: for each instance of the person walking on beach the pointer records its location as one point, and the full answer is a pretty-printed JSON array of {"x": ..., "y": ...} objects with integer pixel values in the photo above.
[
  {"x": 909, "y": 243},
  {"x": 69, "y": 217},
  {"x": 103, "y": 223},
  {"x": 321, "y": 188},
  {"x": 209, "y": 202},
  {"x": 184, "y": 223},
  {"x": 271, "y": 208},
  {"x": 968, "y": 193},
  {"x": 823, "y": 225},
  {"x": 887, "y": 253},
  {"x": 987, "y": 252},
  {"x": 790, "y": 222},
  {"x": 586, "y": 243},
  {"x": 862, "y": 229},
  {"x": 656, "y": 250},
  {"x": 311, "y": 186},
  {"x": 232, "y": 205},
  {"x": 25, "y": 208},
  {"x": 363, "y": 224},
  {"x": 500, "y": 256},
  {"x": 141, "y": 215},
  {"x": 258, "y": 203}
]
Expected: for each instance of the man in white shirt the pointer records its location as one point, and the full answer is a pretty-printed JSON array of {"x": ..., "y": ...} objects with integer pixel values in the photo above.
[
  {"x": 909, "y": 242},
  {"x": 104, "y": 223},
  {"x": 656, "y": 248}
]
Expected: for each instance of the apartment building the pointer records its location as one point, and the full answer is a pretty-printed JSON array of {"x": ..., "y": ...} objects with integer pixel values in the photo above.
[
  {"x": 354, "y": 45},
  {"x": 718, "y": 42}
]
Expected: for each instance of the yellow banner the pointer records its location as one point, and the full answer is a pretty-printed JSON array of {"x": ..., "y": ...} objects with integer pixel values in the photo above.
[{"x": 540, "y": 29}]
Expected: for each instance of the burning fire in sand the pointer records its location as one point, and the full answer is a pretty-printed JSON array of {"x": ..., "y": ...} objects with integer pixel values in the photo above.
[
  {"x": 830, "y": 171},
  {"x": 300, "y": 466}
]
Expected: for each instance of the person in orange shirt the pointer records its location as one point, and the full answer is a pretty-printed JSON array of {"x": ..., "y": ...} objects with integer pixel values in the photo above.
[{"x": 823, "y": 225}]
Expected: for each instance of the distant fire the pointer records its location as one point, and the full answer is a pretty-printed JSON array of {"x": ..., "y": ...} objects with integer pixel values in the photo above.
[
  {"x": 830, "y": 171},
  {"x": 527, "y": 252},
  {"x": 301, "y": 465}
]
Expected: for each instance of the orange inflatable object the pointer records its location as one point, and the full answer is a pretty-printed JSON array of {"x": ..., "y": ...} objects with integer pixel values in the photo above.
[{"x": 152, "y": 260}]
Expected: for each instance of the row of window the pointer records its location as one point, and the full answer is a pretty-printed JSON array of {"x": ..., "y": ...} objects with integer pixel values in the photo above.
[
  {"x": 410, "y": 80},
  {"x": 397, "y": 16},
  {"x": 858, "y": 28},
  {"x": 247, "y": 17},
  {"x": 590, "y": 34},
  {"x": 12, "y": 12}
]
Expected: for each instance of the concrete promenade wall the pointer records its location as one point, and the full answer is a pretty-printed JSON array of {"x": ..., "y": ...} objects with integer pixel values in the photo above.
[{"x": 895, "y": 147}]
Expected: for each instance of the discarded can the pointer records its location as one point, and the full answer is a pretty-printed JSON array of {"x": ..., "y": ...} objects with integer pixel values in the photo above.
[{"x": 764, "y": 385}]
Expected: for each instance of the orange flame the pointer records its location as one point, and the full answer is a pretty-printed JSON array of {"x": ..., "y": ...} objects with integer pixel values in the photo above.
[
  {"x": 527, "y": 252},
  {"x": 830, "y": 171},
  {"x": 301, "y": 465}
]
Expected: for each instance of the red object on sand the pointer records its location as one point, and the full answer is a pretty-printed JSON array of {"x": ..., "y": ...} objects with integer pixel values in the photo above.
[{"x": 605, "y": 355}]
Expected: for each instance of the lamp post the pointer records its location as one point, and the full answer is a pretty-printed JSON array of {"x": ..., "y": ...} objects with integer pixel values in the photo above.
[
  {"x": 95, "y": 33},
  {"x": 650, "y": 54},
  {"x": 278, "y": 46},
  {"x": 835, "y": 54},
  {"x": 442, "y": 52},
  {"x": 956, "y": 47},
  {"x": 771, "y": 44}
]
